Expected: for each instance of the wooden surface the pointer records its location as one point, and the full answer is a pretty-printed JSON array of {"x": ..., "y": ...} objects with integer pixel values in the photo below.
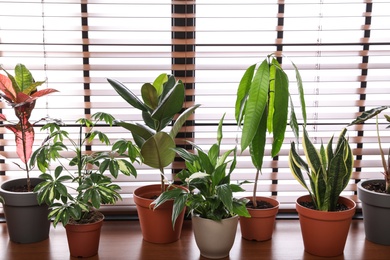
[{"x": 123, "y": 240}]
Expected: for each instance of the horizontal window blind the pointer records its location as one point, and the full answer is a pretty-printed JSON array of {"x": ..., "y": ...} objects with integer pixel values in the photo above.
[{"x": 341, "y": 48}]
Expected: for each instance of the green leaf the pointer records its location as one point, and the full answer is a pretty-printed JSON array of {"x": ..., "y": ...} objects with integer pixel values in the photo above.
[
  {"x": 127, "y": 94},
  {"x": 279, "y": 120},
  {"x": 157, "y": 152},
  {"x": 181, "y": 120},
  {"x": 242, "y": 92},
  {"x": 171, "y": 104},
  {"x": 149, "y": 95},
  {"x": 255, "y": 104}
]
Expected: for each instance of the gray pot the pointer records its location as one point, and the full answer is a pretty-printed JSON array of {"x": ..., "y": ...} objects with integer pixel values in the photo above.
[
  {"x": 27, "y": 222},
  {"x": 214, "y": 238},
  {"x": 376, "y": 214}
]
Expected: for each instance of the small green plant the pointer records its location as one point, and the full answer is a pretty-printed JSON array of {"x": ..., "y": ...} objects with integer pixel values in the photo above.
[
  {"x": 385, "y": 163},
  {"x": 20, "y": 92},
  {"x": 262, "y": 107},
  {"x": 79, "y": 184},
  {"x": 161, "y": 101},
  {"x": 329, "y": 170},
  {"x": 209, "y": 194}
]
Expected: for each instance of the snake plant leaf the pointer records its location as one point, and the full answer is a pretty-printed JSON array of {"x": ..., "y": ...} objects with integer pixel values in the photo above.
[
  {"x": 127, "y": 94},
  {"x": 368, "y": 114},
  {"x": 157, "y": 152},
  {"x": 279, "y": 119},
  {"x": 296, "y": 164},
  {"x": 242, "y": 93},
  {"x": 149, "y": 95},
  {"x": 256, "y": 104},
  {"x": 171, "y": 104}
]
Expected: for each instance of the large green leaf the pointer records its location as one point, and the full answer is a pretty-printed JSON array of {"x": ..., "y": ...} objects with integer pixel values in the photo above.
[
  {"x": 157, "y": 152},
  {"x": 171, "y": 104},
  {"x": 242, "y": 92},
  {"x": 280, "y": 116},
  {"x": 179, "y": 122},
  {"x": 255, "y": 104},
  {"x": 127, "y": 94},
  {"x": 149, "y": 95},
  {"x": 257, "y": 146},
  {"x": 136, "y": 129}
]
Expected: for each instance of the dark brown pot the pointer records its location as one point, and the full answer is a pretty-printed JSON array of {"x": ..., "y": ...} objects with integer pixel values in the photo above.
[
  {"x": 260, "y": 225},
  {"x": 156, "y": 224},
  {"x": 325, "y": 233},
  {"x": 83, "y": 239}
]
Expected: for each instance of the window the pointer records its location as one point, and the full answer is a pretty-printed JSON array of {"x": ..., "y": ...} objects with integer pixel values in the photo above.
[{"x": 342, "y": 49}]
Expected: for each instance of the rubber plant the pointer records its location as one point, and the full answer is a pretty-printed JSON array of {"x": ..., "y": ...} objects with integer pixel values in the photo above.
[
  {"x": 209, "y": 191},
  {"x": 328, "y": 170},
  {"x": 262, "y": 107},
  {"x": 21, "y": 92},
  {"x": 374, "y": 112},
  {"x": 161, "y": 101},
  {"x": 79, "y": 184}
]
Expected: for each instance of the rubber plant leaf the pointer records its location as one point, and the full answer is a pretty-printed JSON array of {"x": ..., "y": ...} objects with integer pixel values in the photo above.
[
  {"x": 157, "y": 152},
  {"x": 149, "y": 95},
  {"x": 171, "y": 104},
  {"x": 179, "y": 122},
  {"x": 127, "y": 94}
]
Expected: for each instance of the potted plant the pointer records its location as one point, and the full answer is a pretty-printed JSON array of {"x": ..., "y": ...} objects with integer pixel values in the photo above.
[
  {"x": 324, "y": 215},
  {"x": 209, "y": 197},
  {"x": 262, "y": 107},
  {"x": 79, "y": 186},
  {"x": 26, "y": 220},
  {"x": 375, "y": 193},
  {"x": 161, "y": 101}
]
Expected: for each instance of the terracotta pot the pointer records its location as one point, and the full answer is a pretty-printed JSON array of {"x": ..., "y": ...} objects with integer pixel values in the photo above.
[
  {"x": 156, "y": 224},
  {"x": 27, "y": 221},
  {"x": 376, "y": 214},
  {"x": 83, "y": 239},
  {"x": 214, "y": 239},
  {"x": 260, "y": 225},
  {"x": 325, "y": 233}
]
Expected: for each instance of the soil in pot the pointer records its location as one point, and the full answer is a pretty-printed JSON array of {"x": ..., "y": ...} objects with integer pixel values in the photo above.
[
  {"x": 376, "y": 186},
  {"x": 261, "y": 204}
]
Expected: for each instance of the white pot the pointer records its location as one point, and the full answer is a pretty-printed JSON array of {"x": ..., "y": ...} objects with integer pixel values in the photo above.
[{"x": 214, "y": 238}]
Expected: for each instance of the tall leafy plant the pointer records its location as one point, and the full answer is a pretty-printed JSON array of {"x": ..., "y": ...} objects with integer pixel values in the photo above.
[
  {"x": 262, "y": 107},
  {"x": 329, "y": 170},
  {"x": 374, "y": 112},
  {"x": 20, "y": 92},
  {"x": 79, "y": 185},
  {"x": 161, "y": 101}
]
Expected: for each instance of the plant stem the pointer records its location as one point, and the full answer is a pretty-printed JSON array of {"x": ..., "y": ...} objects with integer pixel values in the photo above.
[{"x": 255, "y": 189}]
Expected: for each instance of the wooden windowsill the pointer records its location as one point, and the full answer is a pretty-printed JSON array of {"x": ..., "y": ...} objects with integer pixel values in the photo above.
[{"x": 122, "y": 239}]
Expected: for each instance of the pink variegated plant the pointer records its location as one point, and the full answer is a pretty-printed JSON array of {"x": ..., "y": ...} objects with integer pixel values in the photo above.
[{"x": 20, "y": 92}]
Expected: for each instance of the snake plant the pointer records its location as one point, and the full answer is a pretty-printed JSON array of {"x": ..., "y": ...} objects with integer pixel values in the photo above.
[{"x": 328, "y": 170}]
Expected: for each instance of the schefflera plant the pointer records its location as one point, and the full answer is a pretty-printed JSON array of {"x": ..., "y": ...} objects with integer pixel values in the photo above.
[
  {"x": 263, "y": 105},
  {"x": 21, "y": 92},
  {"x": 328, "y": 170}
]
